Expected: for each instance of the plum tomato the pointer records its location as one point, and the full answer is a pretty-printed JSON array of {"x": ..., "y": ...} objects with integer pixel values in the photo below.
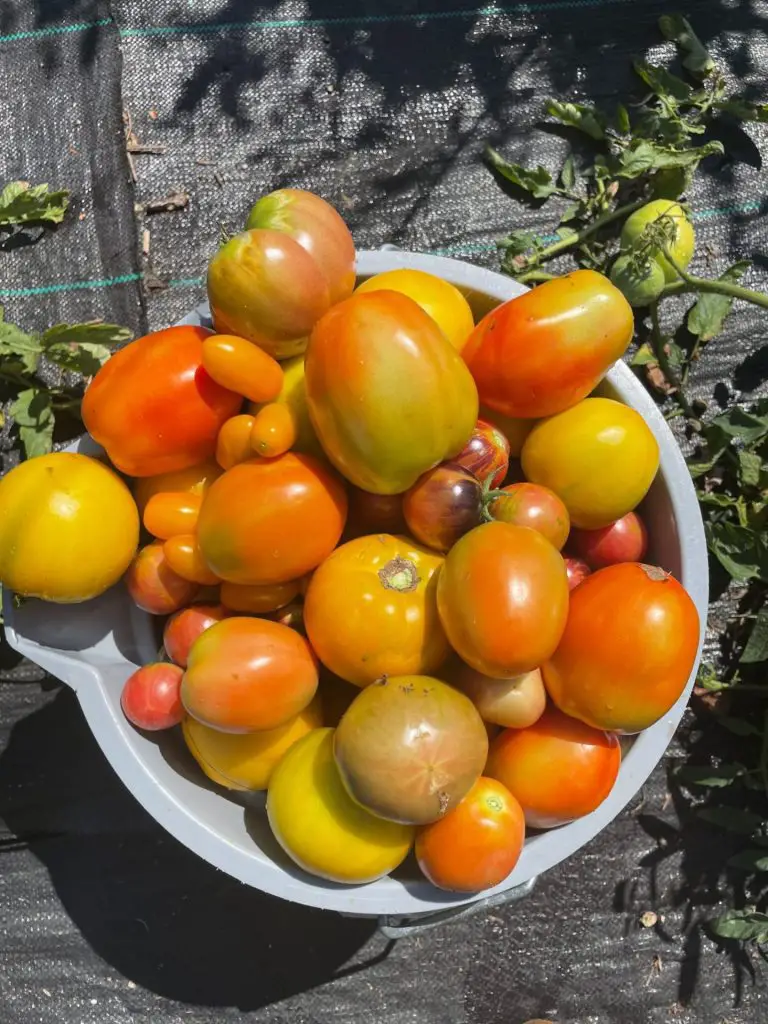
[
  {"x": 512, "y": 703},
  {"x": 442, "y": 300},
  {"x": 320, "y": 826},
  {"x": 628, "y": 648},
  {"x": 537, "y": 507},
  {"x": 185, "y": 626},
  {"x": 600, "y": 457},
  {"x": 443, "y": 505},
  {"x": 150, "y": 699},
  {"x": 514, "y": 430},
  {"x": 577, "y": 571},
  {"x": 375, "y": 513},
  {"x": 193, "y": 480},
  {"x": 242, "y": 367},
  {"x": 681, "y": 239},
  {"x": 502, "y": 595},
  {"x": 273, "y": 431},
  {"x": 257, "y": 600},
  {"x": 371, "y": 610},
  {"x": 233, "y": 444},
  {"x": 183, "y": 554},
  {"x": 171, "y": 512},
  {"x": 409, "y": 748},
  {"x": 271, "y": 520},
  {"x": 559, "y": 769},
  {"x": 245, "y": 674},
  {"x": 626, "y": 540},
  {"x": 477, "y": 844},
  {"x": 153, "y": 584},
  {"x": 486, "y": 454}
]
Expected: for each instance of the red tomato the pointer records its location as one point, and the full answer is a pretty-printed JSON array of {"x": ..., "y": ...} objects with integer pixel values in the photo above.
[
  {"x": 486, "y": 454},
  {"x": 153, "y": 584},
  {"x": 537, "y": 507},
  {"x": 502, "y": 596},
  {"x": 273, "y": 431},
  {"x": 185, "y": 626},
  {"x": 577, "y": 571},
  {"x": 183, "y": 554},
  {"x": 375, "y": 513},
  {"x": 154, "y": 408},
  {"x": 443, "y": 505},
  {"x": 172, "y": 512},
  {"x": 628, "y": 648},
  {"x": 546, "y": 350},
  {"x": 151, "y": 697},
  {"x": 242, "y": 367},
  {"x": 233, "y": 444},
  {"x": 476, "y": 845},
  {"x": 626, "y": 540},
  {"x": 559, "y": 769}
]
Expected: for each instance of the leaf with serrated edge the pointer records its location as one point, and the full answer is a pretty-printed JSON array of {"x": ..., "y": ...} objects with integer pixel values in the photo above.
[
  {"x": 22, "y": 204},
  {"x": 537, "y": 181},
  {"x": 85, "y": 358},
  {"x": 661, "y": 81},
  {"x": 678, "y": 30},
  {"x": 742, "y": 925},
  {"x": 707, "y": 315},
  {"x": 92, "y": 331},
  {"x": 25, "y": 347},
  {"x": 577, "y": 115},
  {"x": 34, "y": 418}
]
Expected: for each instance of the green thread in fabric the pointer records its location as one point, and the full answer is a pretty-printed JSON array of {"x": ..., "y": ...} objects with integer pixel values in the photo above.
[
  {"x": 55, "y": 30},
  {"x": 68, "y": 286}
]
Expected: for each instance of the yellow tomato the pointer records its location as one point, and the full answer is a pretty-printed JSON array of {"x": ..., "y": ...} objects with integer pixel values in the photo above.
[
  {"x": 599, "y": 457},
  {"x": 245, "y": 761},
  {"x": 442, "y": 300},
  {"x": 194, "y": 480},
  {"x": 320, "y": 826},
  {"x": 515, "y": 430},
  {"x": 294, "y": 395},
  {"x": 68, "y": 528},
  {"x": 682, "y": 238}
]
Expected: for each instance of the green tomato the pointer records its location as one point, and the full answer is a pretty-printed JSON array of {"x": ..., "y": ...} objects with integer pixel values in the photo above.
[
  {"x": 638, "y": 286},
  {"x": 681, "y": 245}
]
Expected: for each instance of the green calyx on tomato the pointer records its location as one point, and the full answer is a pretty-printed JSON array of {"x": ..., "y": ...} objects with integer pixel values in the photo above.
[{"x": 658, "y": 225}]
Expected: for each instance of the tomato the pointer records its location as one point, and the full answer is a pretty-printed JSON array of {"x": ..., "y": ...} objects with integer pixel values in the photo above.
[
  {"x": 681, "y": 239},
  {"x": 476, "y": 845},
  {"x": 442, "y": 300},
  {"x": 626, "y": 540},
  {"x": 388, "y": 395},
  {"x": 559, "y": 769},
  {"x": 321, "y": 827},
  {"x": 271, "y": 520},
  {"x": 153, "y": 584},
  {"x": 185, "y": 626},
  {"x": 245, "y": 761},
  {"x": 375, "y": 513},
  {"x": 294, "y": 397},
  {"x": 183, "y": 554},
  {"x": 639, "y": 285},
  {"x": 68, "y": 528},
  {"x": 154, "y": 408},
  {"x": 544, "y": 351},
  {"x": 486, "y": 454},
  {"x": 514, "y": 430},
  {"x": 371, "y": 611},
  {"x": 242, "y": 367},
  {"x": 257, "y": 600},
  {"x": 233, "y": 445},
  {"x": 513, "y": 703},
  {"x": 193, "y": 480},
  {"x": 577, "y": 571},
  {"x": 273, "y": 431},
  {"x": 537, "y": 507},
  {"x": 150, "y": 699},
  {"x": 172, "y": 512},
  {"x": 628, "y": 648},
  {"x": 318, "y": 229},
  {"x": 599, "y": 457},
  {"x": 246, "y": 674},
  {"x": 502, "y": 596},
  {"x": 443, "y": 505}
]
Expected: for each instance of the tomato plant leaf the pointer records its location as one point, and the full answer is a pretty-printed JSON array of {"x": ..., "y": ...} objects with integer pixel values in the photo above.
[
  {"x": 15, "y": 343},
  {"x": 742, "y": 925},
  {"x": 623, "y": 123},
  {"x": 742, "y": 552},
  {"x": 33, "y": 414},
  {"x": 644, "y": 356},
  {"x": 744, "y": 110},
  {"x": 585, "y": 118},
  {"x": 21, "y": 203},
  {"x": 695, "y": 57},
  {"x": 738, "y": 726},
  {"x": 93, "y": 332},
  {"x": 86, "y": 358},
  {"x": 706, "y": 316},
  {"x": 537, "y": 181},
  {"x": 708, "y": 776},
  {"x": 642, "y": 155},
  {"x": 756, "y": 649},
  {"x": 517, "y": 242},
  {"x": 732, "y": 819},
  {"x": 750, "y": 468},
  {"x": 568, "y": 172},
  {"x": 750, "y": 860},
  {"x": 661, "y": 81}
]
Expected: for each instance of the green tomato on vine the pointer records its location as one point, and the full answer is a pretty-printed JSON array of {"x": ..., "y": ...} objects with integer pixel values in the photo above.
[{"x": 681, "y": 238}]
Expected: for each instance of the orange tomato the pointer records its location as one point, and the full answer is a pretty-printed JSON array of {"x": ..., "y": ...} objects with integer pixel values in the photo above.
[
  {"x": 171, "y": 513},
  {"x": 558, "y": 768},
  {"x": 233, "y": 444},
  {"x": 257, "y": 600},
  {"x": 192, "y": 480},
  {"x": 273, "y": 431},
  {"x": 477, "y": 844},
  {"x": 513, "y": 703},
  {"x": 628, "y": 648},
  {"x": 153, "y": 584},
  {"x": 534, "y": 506},
  {"x": 183, "y": 555},
  {"x": 185, "y": 626},
  {"x": 515, "y": 430},
  {"x": 243, "y": 367},
  {"x": 271, "y": 520}
]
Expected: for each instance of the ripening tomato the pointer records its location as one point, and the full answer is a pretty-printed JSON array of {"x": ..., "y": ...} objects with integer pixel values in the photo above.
[
  {"x": 171, "y": 512},
  {"x": 185, "y": 626},
  {"x": 442, "y": 300},
  {"x": 257, "y": 600},
  {"x": 245, "y": 674},
  {"x": 153, "y": 584},
  {"x": 486, "y": 454},
  {"x": 370, "y": 610},
  {"x": 374, "y": 513},
  {"x": 233, "y": 445},
  {"x": 183, "y": 554},
  {"x": 388, "y": 394},
  {"x": 193, "y": 480},
  {"x": 150, "y": 699},
  {"x": 600, "y": 458},
  {"x": 513, "y": 703},
  {"x": 537, "y": 507},
  {"x": 681, "y": 239},
  {"x": 154, "y": 408},
  {"x": 502, "y": 595},
  {"x": 626, "y": 540},
  {"x": 476, "y": 845},
  {"x": 242, "y": 367},
  {"x": 294, "y": 397},
  {"x": 271, "y": 520},
  {"x": 514, "y": 430},
  {"x": 577, "y": 571},
  {"x": 273, "y": 431},
  {"x": 544, "y": 351},
  {"x": 628, "y": 649},
  {"x": 443, "y": 505},
  {"x": 558, "y": 768}
]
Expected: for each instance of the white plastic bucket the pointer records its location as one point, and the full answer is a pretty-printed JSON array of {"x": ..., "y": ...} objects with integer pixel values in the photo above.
[{"x": 95, "y": 646}]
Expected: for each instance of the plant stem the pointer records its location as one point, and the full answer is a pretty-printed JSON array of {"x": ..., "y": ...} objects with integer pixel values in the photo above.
[
  {"x": 564, "y": 244},
  {"x": 705, "y": 284},
  {"x": 659, "y": 350},
  {"x": 537, "y": 276}
]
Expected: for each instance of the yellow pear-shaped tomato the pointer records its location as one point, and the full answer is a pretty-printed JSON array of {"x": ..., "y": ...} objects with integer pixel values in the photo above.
[
  {"x": 388, "y": 394},
  {"x": 320, "y": 826}
]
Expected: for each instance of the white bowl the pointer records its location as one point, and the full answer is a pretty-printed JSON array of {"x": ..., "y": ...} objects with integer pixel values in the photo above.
[{"x": 95, "y": 646}]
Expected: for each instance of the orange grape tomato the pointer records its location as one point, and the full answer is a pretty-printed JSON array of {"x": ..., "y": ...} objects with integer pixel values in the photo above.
[
  {"x": 233, "y": 444},
  {"x": 183, "y": 556},
  {"x": 171, "y": 513},
  {"x": 274, "y": 430},
  {"x": 242, "y": 367},
  {"x": 258, "y": 598}
]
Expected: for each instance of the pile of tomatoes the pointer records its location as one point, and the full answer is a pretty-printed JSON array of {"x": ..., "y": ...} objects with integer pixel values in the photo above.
[{"x": 398, "y": 554}]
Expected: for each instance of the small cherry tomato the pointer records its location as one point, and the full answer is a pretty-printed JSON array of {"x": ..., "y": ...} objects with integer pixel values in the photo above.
[
  {"x": 514, "y": 430},
  {"x": 626, "y": 540},
  {"x": 476, "y": 845},
  {"x": 443, "y": 505},
  {"x": 194, "y": 480},
  {"x": 273, "y": 431},
  {"x": 513, "y": 703},
  {"x": 534, "y": 506},
  {"x": 171, "y": 513},
  {"x": 184, "y": 557},
  {"x": 375, "y": 513},
  {"x": 185, "y": 626},
  {"x": 486, "y": 454},
  {"x": 153, "y": 584},
  {"x": 242, "y": 367},
  {"x": 233, "y": 445},
  {"x": 577, "y": 571},
  {"x": 558, "y": 768},
  {"x": 258, "y": 599},
  {"x": 151, "y": 697}
]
